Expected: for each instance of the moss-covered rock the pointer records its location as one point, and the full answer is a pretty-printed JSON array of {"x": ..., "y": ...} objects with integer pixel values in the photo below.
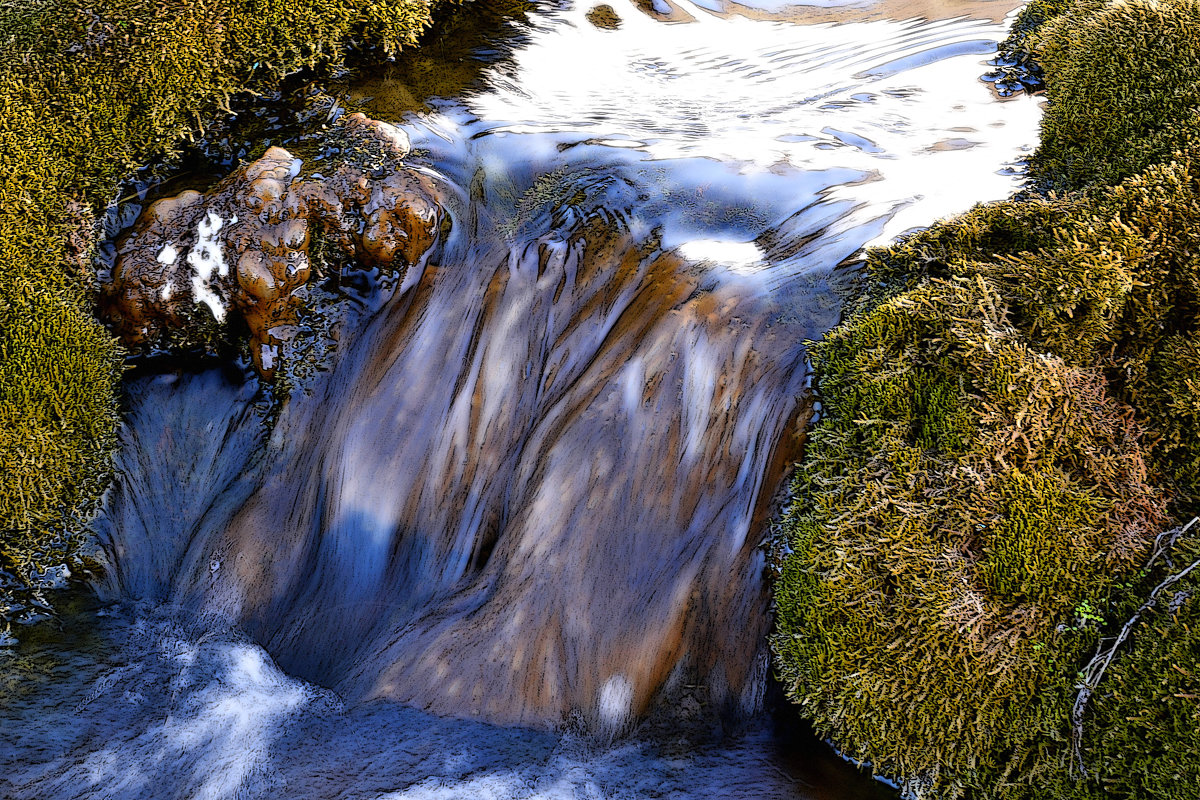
[
  {"x": 1123, "y": 78},
  {"x": 57, "y": 380},
  {"x": 1009, "y": 409},
  {"x": 1011, "y": 415},
  {"x": 89, "y": 91},
  {"x": 961, "y": 517}
]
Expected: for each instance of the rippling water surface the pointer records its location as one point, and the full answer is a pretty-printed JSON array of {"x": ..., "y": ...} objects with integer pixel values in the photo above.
[{"x": 504, "y": 538}]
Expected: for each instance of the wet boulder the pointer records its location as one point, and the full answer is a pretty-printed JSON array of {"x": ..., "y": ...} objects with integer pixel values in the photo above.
[{"x": 193, "y": 263}]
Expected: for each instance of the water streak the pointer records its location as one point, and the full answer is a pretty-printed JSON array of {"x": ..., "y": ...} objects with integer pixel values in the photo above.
[{"x": 532, "y": 487}]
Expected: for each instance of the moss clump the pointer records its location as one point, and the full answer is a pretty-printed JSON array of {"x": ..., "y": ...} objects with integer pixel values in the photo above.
[
  {"x": 1124, "y": 85},
  {"x": 89, "y": 91},
  {"x": 1009, "y": 408},
  {"x": 57, "y": 380},
  {"x": 1017, "y": 67},
  {"x": 1106, "y": 279},
  {"x": 1143, "y": 725},
  {"x": 964, "y": 505},
  {"x": 1011, "y": 417}
]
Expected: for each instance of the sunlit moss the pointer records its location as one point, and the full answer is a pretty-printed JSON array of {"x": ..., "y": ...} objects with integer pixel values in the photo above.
[
  {"x": 1007, "y": 414},
  {"x": 1123, "y": 79},
  {"x": 57, "y": 380},
  {"x": 1011, "y": 415},
  {"x": 964, "y": 496}
]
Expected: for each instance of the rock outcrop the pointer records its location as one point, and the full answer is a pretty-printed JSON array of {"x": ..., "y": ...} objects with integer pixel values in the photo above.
[{"x": 194, "y": 262}]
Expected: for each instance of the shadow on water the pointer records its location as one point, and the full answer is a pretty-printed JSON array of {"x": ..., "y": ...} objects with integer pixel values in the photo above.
[
  {"x": 454, "y": 54},
  {"x": 450, "y": 62},
  {"x": 506, "y": 540}
]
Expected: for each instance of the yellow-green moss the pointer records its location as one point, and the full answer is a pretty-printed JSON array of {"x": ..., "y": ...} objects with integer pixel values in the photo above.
[
  {"x": 1123, "y": 79},
  {"x": 1011, "y": 415},
  {"x": 1106, "y": 279},
  {"x": 966, "y": 499},
  {"x": 1142, "y": 730},
  {"x": 57, "y": 379},
  {"x": 89, "y": 90}
]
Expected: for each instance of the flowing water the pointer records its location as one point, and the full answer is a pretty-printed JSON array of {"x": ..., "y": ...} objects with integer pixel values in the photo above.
[{"x": 504, "y": 538}]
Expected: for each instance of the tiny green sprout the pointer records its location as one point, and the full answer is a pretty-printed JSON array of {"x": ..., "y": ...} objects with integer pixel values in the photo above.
[{"x": 1087, "y": 613}]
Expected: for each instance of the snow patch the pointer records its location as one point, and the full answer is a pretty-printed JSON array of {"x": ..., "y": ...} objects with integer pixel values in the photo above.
[
  {"x": 205, "y": 259},
  {"x": 168, "y": 255}
]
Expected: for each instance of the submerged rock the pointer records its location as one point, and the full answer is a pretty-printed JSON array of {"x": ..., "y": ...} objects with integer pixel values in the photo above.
[
  {"x": 192, "y": 262},
  {"x": 604, "y": 16}
]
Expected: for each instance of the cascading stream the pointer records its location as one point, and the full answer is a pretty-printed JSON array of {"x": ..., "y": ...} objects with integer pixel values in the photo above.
[
  {"x": 529, "y": 480},
  {"x": 500, "y": 501}
]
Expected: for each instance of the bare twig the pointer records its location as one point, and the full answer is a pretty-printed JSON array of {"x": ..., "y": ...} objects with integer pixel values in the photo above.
[{"x": 1105, "y": 653}]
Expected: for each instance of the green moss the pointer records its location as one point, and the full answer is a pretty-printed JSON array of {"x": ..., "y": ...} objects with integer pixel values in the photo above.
[
  {"x": 1123, "y": 80},
  {"x": 981, "y": 478},
  {"x": 1011, "y": 416},
  {"x": 1142, "y": 731},
  {"x": 88, "y": 92},
  {"x": 964, "y": 497},
  {"x": 1106, "y": 279},
  {"x": 58, "y": 375},
  {"x": 1041, "y": 552}
]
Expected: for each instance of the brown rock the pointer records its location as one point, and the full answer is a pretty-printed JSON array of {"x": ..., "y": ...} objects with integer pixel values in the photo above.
[{"x": 244, "y": 246}]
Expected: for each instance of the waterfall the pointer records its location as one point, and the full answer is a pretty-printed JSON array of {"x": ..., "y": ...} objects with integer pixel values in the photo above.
[{"x": 525, "y": 480}]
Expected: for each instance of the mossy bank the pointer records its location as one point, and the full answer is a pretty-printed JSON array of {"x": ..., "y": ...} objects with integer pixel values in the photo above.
[
  {"x": 1012, "y": 419},
  {"x": 90, "y": 90}
]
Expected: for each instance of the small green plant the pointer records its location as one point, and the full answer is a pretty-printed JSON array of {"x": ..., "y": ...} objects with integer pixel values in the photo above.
[{"x": 1088, "y": 615}]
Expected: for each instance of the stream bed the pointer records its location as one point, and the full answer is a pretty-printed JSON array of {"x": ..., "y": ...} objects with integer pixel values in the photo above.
[{"x": 504, "y": 537}]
